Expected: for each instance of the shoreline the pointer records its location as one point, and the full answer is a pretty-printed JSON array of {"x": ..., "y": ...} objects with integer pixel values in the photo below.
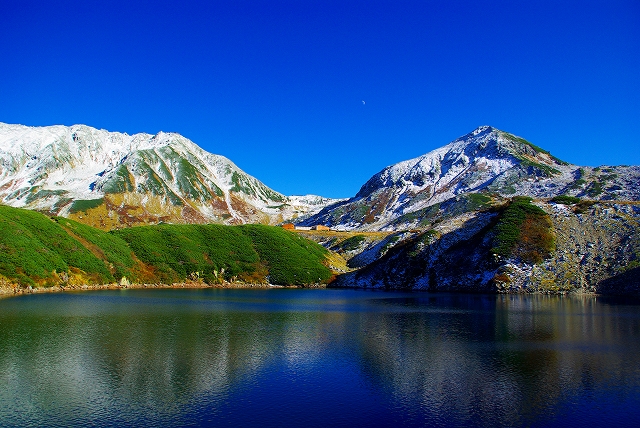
[
  {"x": 14, "y": 291},
  {"x": 11, "y": 291}
]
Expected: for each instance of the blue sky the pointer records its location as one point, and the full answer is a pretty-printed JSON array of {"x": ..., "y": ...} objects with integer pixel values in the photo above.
[{"x": 278, "y": 86}]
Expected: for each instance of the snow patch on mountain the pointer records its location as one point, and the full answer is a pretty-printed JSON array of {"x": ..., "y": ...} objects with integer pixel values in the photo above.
[
  {"x": 487, "y": 161},
  {"x": 47, "y": 168}
]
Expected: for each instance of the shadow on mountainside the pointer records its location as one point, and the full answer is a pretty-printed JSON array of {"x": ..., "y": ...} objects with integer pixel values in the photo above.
[{"x": 627, "y": 283}]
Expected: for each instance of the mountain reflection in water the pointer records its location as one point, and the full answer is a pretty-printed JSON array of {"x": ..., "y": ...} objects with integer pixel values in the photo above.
[{"x": 317, "y": 358}]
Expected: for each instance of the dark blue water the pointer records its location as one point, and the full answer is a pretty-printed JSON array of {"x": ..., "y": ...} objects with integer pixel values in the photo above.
[{"x": 317, "y": 358}]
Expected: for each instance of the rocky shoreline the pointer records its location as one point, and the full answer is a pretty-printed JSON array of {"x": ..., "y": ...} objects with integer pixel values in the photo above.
[{"x": 13, "y": 290}]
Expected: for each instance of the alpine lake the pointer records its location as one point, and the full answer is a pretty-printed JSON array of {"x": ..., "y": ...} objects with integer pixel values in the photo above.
[{"x": 317, "y": 358}]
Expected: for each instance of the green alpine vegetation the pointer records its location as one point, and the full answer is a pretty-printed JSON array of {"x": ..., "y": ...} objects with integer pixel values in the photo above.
[
  {"x": 84, "y": 205},
  {"x": 251, "y": 253},
  {"x": 524, "y": 231},
  {"x": 566, "y": 200},
  {"x": 36, "y": 250},
  {"x": 290, "y": 258},
  {"x": 120, "y": 182},
  {"x": 177, "y": 251},
  {"x": 109, "y": 247},
  {"x": 351, "y": 243}
]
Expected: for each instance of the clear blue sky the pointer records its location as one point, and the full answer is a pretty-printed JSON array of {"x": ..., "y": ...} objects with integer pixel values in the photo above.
[{"x": 277, "y": 86}]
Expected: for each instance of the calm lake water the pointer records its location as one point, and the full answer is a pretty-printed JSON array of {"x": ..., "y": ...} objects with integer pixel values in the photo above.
[{"x": 317, "y": 358}]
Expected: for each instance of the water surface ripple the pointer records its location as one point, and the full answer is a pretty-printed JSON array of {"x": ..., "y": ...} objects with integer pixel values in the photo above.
[{"x": 317, "y": 358}]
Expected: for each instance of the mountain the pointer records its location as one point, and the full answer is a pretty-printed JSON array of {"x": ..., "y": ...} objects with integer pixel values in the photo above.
[
  {"x": 561, "y": 246},
  {"x": 487, "y": 212},
  {"x": 469, "y": 172},
  {"x": 110, "y": 179}
]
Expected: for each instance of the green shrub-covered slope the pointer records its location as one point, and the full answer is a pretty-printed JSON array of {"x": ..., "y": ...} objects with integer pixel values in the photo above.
[
  {"x": 214, "y": 253},
  {"x": 524, "y": 231},
  {"x": 39, "y": 251},
  {"x": 34, "y": 250}
]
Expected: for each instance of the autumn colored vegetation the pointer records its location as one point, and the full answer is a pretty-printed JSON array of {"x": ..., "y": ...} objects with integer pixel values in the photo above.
[{"x": 524, "y": 231}]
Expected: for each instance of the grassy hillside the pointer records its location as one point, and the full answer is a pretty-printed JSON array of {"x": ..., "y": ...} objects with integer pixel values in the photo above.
[
  {"x": 250, "y": 253},
  {"x": 290, "y": 258},
  {"x": 109, "y": 247},
  {"x": 34, "y": 250},
  {"x": 212, "y": 252},
  {"x": 39, "y": 251}
]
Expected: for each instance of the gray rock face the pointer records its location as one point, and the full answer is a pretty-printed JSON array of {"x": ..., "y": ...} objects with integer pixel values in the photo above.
[{"x": 594, "y": 249}]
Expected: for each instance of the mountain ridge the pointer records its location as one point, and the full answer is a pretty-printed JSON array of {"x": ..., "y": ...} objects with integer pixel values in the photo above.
[
  {"x": 489, "y": 211},
  {"x": 556, "y": 247},
  {"x": 139, "y": 178},
  {"x": 486, "y": 161},
  {"x": 110, "y": 179}
]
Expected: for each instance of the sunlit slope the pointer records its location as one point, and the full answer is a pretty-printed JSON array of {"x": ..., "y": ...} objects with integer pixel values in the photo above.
[
  {"x": 36, "y": 250},
  {"x": 110, "y": 179},
  {"x": 251, "y": 253},
  {"x": 473, "y": 170}
]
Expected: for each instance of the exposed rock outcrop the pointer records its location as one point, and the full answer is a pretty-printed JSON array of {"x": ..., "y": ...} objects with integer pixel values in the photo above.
[{"x": 596, "y": 250}]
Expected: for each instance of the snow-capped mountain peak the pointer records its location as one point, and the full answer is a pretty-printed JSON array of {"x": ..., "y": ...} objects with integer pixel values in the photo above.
[
  {"x": 161, "y": 177},
  {"x": 486, "y": 160}
]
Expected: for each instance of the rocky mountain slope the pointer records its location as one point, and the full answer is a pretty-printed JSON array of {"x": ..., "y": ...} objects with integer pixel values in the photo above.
[
  {"x": 582, "y": 247},
  {"x": 109, "y": 179},
  {"x": 470, "y": 170}
]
